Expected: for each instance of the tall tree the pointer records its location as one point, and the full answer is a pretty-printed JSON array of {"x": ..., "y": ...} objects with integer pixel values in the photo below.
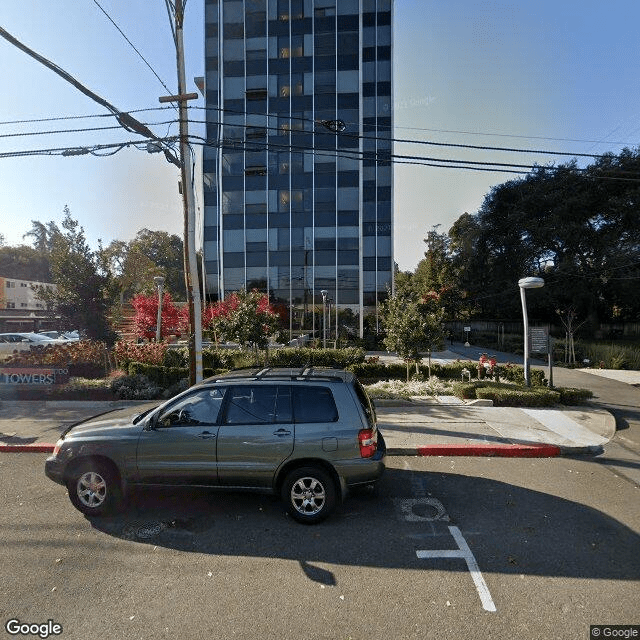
[
  {"x": 165, "y": 251},
  {"x": 412, "y": 326},
  {"x": 81, "y": 294},
  {"x": 25, "y": 263},
  {"x": 578, "y": 228}
]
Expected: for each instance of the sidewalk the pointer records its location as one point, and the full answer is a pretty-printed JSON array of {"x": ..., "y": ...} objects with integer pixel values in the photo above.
[
  {"x": 438, "y": 428},
  {"x": 426, "y": 426}
]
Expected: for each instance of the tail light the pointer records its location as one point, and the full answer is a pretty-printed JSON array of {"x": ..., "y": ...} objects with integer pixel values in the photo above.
[{"x": 368, "y": 440}]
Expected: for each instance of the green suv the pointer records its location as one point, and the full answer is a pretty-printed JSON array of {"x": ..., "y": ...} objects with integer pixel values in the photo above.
[{"x": 307, "y": 435}]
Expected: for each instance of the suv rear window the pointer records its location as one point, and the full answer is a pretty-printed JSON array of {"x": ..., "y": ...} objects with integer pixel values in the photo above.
[
  {"x": 365, "y": 403},
  {"x": 314, "y": 404}
]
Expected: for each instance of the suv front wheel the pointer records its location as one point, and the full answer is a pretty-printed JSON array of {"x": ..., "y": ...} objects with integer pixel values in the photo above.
[
  {"x": 310, "y": 494},
  {"x": 94, "y": 488}
]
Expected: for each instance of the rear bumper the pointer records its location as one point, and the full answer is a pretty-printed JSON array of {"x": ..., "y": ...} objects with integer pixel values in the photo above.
[{"x": 365, "y": 470}]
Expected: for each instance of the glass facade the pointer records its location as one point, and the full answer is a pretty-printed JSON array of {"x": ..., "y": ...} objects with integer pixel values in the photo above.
[{"x": 295, "y": 203}]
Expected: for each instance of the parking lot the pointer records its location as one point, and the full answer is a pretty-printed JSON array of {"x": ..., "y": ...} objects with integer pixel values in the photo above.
[{"x": 445, "y": 547}]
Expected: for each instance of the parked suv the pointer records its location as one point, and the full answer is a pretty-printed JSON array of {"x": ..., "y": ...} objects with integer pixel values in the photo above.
[{"x": 307, "y": 435}]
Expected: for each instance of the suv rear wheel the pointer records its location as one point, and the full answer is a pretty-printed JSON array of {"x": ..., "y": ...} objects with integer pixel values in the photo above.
[
  {"x": 310, "y": 494},
  {"x": 94, "y": 488}
]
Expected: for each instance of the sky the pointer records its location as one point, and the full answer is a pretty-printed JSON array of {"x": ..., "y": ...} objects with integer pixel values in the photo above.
[{"x": 561, "y": 76}]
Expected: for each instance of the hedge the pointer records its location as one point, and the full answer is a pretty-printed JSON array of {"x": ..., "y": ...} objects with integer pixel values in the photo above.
[
  {"x": 166, "y": 376},
  {"x": 507, "y": 395},
  {"x": 300, "y": 357},
  {"x": 571, "y": 395},
  {"x": 534, "y": 397}
]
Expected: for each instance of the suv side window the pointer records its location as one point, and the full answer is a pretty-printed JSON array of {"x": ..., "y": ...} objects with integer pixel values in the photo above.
[
  {"x": 200, "y": 407},
  {"x": 314, "y": 404},
  {"x": 258, "y": 404}
]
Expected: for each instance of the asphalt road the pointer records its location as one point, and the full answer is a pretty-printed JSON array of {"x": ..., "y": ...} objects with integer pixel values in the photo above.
[{"x": 554, "y": 541}]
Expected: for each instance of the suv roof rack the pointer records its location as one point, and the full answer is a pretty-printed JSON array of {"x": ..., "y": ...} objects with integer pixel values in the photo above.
[{"x": 307, "y": 372}]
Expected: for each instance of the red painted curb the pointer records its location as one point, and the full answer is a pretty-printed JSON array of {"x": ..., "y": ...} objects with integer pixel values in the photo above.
[
  {"x": 503, "y": 451},
  {"x": 39, "y": 447}
]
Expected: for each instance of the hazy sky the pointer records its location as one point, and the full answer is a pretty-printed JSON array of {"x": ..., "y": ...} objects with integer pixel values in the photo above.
[{"x": 561, "y": 75}]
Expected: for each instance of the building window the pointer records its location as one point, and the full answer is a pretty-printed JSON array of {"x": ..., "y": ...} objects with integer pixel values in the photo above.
[
  {"x": 11, "y": 305},
  {"x": 256, "y": 94},
  {"x": 11, "y": 285}
]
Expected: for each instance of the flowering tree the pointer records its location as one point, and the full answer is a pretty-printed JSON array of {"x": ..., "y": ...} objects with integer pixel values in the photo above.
[{"x": 147, "y": 313}]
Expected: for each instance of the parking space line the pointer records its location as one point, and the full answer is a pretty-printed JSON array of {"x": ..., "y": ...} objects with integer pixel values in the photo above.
[{"x": 464, "y": 552}]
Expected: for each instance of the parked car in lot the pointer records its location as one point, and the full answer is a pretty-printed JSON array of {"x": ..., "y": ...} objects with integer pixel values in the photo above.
[
  {"x": 61, "y": 336},
  {"x": 15, "y": 342},
  {"x": 308, "y": 435}
]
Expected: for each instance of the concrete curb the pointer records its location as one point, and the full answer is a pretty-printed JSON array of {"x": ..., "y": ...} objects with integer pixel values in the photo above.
[
  {"x": 485, "y": 450},
  {"x": 36, "y": 447},
  {"x": 494, "y": 450}
]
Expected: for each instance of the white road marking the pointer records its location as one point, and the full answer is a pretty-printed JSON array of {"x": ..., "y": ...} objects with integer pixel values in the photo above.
[{"x": 465, "y": 553}]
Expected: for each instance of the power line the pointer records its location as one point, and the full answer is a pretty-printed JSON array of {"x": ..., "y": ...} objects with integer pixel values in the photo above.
[
  {"x": 403, "y": 140},
  {"x": 512, "y": 135},
  {"x": 132, "y": 46},
  {"x": 345, "y": 134},
  {"x": 128, "y": 122}
]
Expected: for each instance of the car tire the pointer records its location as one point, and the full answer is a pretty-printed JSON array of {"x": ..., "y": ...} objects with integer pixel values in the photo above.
[
  {"x": 94, "y": 488},
  {"x": 309, "y": 494}
]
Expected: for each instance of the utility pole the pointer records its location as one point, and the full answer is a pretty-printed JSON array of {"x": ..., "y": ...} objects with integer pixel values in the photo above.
[{"x": 188, "y": 200}]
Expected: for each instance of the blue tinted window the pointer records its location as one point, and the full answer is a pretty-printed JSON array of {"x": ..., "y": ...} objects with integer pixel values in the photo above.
[{"x": 314, "y": 404}]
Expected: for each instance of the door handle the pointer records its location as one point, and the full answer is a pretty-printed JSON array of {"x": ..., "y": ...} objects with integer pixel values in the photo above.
[
  {"x": 207, "y": 435},
  {"x": 282, "y": 432}
]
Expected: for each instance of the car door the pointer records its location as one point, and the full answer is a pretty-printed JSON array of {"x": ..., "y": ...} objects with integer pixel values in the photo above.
[
  {"x": 256, "y": 434},
  {"x": 178, "y": 446}
]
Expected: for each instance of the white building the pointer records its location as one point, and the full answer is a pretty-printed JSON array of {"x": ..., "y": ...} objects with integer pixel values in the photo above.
[{"x": 20, "y": 308}]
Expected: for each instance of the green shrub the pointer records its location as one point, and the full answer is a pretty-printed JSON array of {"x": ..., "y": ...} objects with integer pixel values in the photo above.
[
  {"x": 135, "y": 387},
  {"x": 515, "y": 373},
  {"x": 465, "y": 390},
  {"x": 505, "y": 397},
  {"x": 571, "y": 395},
  {"x": 340, "y": 358},
  {"x": 370, "y": 372},
  {"x": 612, "y": 356},
  {"x": 166, "y": 377},
  {"x": 176, "y": 357}
]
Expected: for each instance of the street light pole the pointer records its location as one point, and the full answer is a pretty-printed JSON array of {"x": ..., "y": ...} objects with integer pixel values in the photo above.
[
  {"x": 324, "y": 318},
  {"x": 159, "y": 281},
  {"x": 527, "y": 283}
]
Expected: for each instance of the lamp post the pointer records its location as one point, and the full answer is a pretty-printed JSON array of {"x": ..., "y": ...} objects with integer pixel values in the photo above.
[
  {"x": 159, "y": 282},
  {"x": 324, "y": 318},
  {"x": 527, "y": 283}
]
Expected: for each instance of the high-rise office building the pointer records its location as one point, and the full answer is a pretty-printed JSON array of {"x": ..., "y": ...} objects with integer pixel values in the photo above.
[{"x": 298, "y": 177}]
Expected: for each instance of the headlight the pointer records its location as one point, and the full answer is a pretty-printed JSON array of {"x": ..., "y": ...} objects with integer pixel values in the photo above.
[{"x": 56, "y": 449}]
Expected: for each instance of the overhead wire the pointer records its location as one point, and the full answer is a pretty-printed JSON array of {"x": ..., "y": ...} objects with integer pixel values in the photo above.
[
  {"x": 311, "y": 121},
  {"x": 132, "y": 46}
]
